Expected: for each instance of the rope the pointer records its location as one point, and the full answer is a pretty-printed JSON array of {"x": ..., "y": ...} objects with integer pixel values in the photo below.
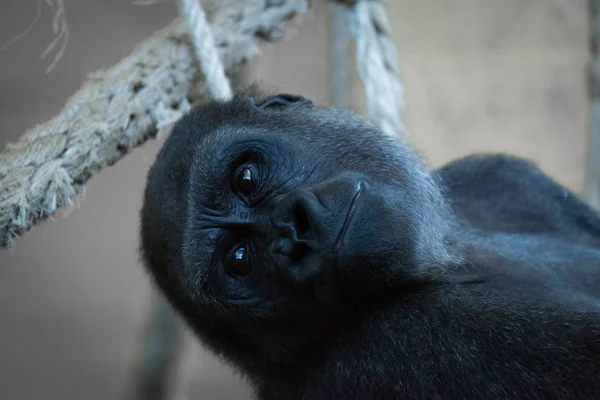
[
  {"x": 121, "y": 108},
  {"x": 220, "y": 88},
  {"x": 378, "y": 68},
  {"x": 591, "y": 191},
  {"x": 339, "y": 65},
  {"x": 189, "y": 362},
  {"x": 204, "y": 45}
]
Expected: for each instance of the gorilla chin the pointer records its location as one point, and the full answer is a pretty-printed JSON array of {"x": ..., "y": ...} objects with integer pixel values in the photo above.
[{"x": 322, "y": 259}]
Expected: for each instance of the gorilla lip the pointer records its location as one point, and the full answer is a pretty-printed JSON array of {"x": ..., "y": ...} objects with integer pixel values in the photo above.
[{"x": 347, "y": 220}]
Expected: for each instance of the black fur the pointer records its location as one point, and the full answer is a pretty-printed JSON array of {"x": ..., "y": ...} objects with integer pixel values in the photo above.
[{"x": 480, "y": 280}]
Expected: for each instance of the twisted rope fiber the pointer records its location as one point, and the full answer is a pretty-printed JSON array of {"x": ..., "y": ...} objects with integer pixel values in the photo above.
[
  {"x": 204, "y": 44},
  {"x": 121, "y": 108},
  {"x": 378, "y": 67}
]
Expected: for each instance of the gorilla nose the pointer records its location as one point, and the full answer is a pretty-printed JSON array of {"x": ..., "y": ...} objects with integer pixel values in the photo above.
[
  {"x": 308, "y": 223},
  {"x": 303, "y": 218}
]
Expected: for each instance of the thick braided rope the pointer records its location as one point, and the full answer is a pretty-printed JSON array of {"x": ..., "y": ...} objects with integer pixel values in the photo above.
[
  {"x": 378, "y": 68},
  {"x": 122, "y": 107},
  {"x": 204, "y": 45}
]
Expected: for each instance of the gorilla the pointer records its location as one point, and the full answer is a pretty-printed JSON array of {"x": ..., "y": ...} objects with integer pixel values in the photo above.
[{"x": 322, "y": 258}]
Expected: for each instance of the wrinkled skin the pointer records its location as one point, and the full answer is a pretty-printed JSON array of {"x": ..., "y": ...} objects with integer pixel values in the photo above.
[{"x": 323, "y": 260}]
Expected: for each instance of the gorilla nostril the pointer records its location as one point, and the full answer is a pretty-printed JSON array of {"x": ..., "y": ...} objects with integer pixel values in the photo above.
[
  {"x": 296, "y": 251},
  {"x": 301, "y": 221},
  {"x": 299, "y": 251}
]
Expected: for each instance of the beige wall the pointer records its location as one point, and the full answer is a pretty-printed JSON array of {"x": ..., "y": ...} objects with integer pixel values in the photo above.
[{"x": 481, "y": 75}]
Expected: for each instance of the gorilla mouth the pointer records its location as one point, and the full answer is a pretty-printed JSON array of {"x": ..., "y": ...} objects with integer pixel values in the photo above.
[{"x": 340, "y": 239}]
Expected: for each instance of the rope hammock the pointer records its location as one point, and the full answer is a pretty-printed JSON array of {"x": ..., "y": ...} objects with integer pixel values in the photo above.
[{"x": 180, "y": 66}]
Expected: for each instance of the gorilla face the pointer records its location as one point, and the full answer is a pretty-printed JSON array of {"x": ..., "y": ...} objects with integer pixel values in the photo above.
[{"x": 275, "y": 207}]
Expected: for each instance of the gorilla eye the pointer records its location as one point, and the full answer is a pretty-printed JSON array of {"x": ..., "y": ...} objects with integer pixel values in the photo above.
[
  {"x": 246, "y": 180},
  {"x": 239, "y": 264}
]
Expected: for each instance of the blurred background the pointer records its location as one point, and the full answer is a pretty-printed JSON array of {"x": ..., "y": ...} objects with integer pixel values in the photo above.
[{"x": 480, "y": 75}]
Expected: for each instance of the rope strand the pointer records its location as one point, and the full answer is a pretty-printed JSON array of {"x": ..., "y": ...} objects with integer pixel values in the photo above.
[
  {"x": 219, "y": 87},
  {"x": 206, "y": 52},
  {"x": 378, "y": 68}
]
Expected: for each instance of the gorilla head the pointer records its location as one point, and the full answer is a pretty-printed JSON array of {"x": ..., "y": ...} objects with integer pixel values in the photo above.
[
  {"x": 265, "y": 208},
  {"x": 270, "y": 209}
]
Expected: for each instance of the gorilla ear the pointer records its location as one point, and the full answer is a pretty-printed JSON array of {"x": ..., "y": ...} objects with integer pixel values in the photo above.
[{"x": 281, "y": 101}]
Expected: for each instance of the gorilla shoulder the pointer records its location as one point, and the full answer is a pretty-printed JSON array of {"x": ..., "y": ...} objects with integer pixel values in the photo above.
[{"x": 504, "y": 193}]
